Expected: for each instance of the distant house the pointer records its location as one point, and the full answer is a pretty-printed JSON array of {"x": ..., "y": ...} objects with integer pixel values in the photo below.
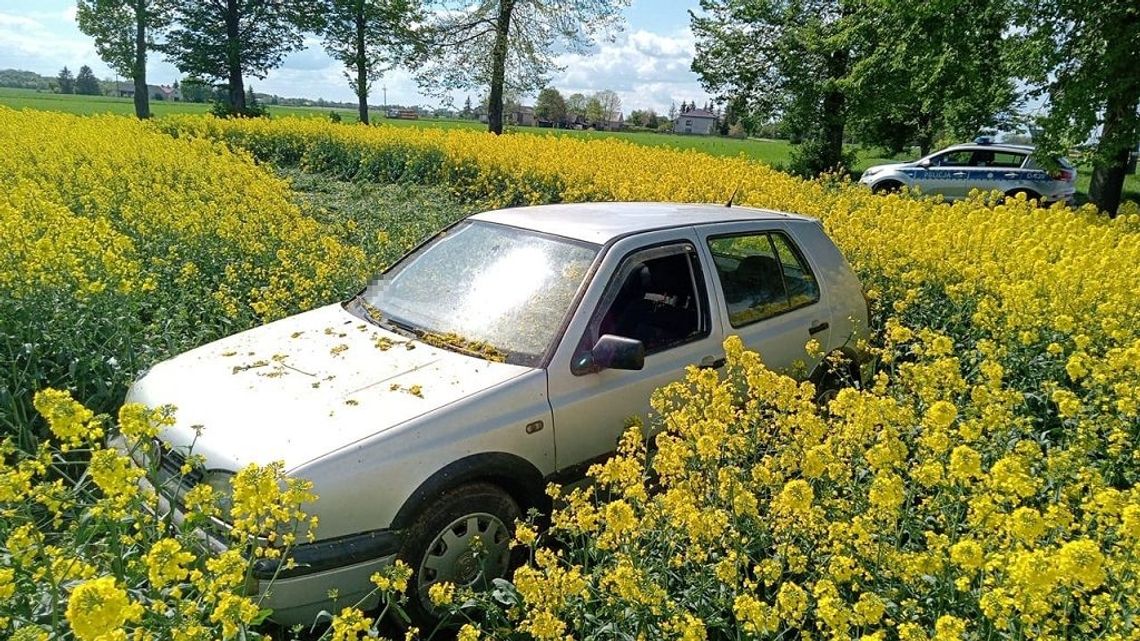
[
  {"x": 611, "y": 124},
  {"x": 522, "y": 116},
  {"x": 157, "y": 92},
  {"x": 697, "y": 121},
  {"x": 403, "y": 114}
]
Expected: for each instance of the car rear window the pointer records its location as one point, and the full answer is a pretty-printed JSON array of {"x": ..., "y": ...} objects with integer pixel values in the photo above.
[
  {"x": 1033, "y": 164},
  {"x": 762, "y": 275}
]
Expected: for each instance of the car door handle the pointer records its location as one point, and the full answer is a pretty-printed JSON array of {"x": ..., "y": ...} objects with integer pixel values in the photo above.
[
  {"x": 958, "y": 174},
  {"x": 712, "y": 362},
  {"x": 1010, "y": 174},
  {"x": 818, "y": 327}
]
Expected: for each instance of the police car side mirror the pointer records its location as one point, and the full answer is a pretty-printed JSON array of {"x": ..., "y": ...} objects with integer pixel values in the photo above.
[{"x": 925, "y": 164}]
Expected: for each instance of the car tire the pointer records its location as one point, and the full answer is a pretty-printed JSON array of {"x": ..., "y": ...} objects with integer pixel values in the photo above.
[
  {"x": 1029, "y": 195},
  {"x": 830, "y": 380},
  {"x": 887, "y": 187},
  {"x": 438, "y": 545}
]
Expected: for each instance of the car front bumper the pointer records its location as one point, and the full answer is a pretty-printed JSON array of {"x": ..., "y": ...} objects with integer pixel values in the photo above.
[{"x": 298, "y": 594}]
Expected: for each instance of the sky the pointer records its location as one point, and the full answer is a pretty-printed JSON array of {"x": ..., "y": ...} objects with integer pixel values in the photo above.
[{"x": 647, "y": 63}]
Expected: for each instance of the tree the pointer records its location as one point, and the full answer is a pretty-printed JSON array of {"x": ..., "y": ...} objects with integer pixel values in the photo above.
[
  {"x": 467, "y": 113},
  {"x": 196, "y": 90},
  {"x": 369, "y": 37},
  {"x": 124, "y": 32},
  {"x": 594, "y": 111},
  {"x": 550, "y": 106},
  {"x": 935, "y": 70},
  {"x": 86, "y": 83},
  {"x": 1083, "y": 56},
  {"x": 66, "y": 81},
  {"x": 576, "y": 106},
  {"x": 226, "y": 40},
  {"x": 783, "y": 57},
  {"x": 522, "y": 38},
  {"x": 606, "y": 106}
]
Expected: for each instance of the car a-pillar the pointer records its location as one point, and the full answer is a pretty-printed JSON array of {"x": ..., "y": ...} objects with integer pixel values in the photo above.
[{"x": 458, "y": 525}]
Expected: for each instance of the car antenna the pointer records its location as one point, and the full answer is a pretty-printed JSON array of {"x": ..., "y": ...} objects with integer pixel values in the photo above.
[{"x": 733, "y": 196}]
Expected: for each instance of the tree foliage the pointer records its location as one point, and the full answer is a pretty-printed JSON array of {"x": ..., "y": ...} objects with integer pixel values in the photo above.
[
  {"x": 1083, "y": 58},
  {"x": 603, "y": 107},
  {"x": 550, "y": 106},
  {"x": 86, "y": 83},
  {"x": 227, "y": 40},
  {"x": 576, "y": 106},
  {"x": 125, "y": 32},
  {"x": 507, "y": 45},
  {"x": 893, "y": 73},
  {"x": 931, "y": 69},
  {"x": 369, "y": 37},
  {"x": 66, "y": 81},
  {"x": 787, "y": 57}
]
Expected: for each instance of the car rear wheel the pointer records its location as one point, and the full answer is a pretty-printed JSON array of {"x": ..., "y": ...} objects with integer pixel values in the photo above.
[
  {"x": 463, "y": 538},
  {"x": 887, "y": 187},
  {"x": 1029, "y": 195}
]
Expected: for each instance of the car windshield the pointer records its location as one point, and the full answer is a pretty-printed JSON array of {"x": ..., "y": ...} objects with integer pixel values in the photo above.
[{"x": 493, "y": 290}]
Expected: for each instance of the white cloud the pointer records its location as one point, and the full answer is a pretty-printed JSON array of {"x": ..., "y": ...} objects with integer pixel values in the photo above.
[
  {"x": 28, "y": 43},
  {"x": 647, "y": 69}
]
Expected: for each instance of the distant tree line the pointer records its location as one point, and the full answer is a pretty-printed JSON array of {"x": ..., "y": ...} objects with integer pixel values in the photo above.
[
  {"x": 919, "y": 73},
  {"x": 504, "y": 46}
]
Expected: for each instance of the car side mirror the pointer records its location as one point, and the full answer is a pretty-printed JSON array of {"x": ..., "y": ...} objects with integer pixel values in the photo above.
[
  {"x": 925, "y": 164},
  {"x": 612, "y": 352}
]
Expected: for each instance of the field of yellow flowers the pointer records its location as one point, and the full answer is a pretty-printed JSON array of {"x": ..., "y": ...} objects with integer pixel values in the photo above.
[{"x": 983, "y": 485}]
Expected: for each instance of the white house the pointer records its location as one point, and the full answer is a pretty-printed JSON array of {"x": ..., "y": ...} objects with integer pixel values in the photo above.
[{"x": 697, "y": 121}]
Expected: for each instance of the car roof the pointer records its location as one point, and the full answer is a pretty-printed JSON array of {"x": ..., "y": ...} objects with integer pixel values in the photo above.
[
  {"x": 1019, "y": 149},
  {"x": 603, "y": 222}
]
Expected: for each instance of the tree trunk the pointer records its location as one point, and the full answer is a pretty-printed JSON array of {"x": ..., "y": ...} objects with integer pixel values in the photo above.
[
  {"x": 499, "y": 67},
  {"x": 361, "y": 66},
  {"x": 925, "y": 134},
  {"x": 233, "y": 58},
  {"x": 834, "y": 111},
  {"x": 1117, "y": 141},
  {"x": 142, "y": 92}
]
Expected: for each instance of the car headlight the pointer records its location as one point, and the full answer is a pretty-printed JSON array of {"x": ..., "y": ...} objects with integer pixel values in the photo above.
[
  {"x": 221, "y": 482},
  {"x": 871, "y": 171}
]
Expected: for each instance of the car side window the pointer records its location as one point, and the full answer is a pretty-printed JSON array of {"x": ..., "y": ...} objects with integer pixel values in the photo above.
[
  {"x": 657, "y": 296},
  {"x": 762, "y": 275},
  {"x": 1007, "y": 160},
  {"x": 959, "y": 158}
]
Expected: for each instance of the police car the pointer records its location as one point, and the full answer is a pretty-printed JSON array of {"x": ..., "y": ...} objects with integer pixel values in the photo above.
[{"x": 984, "y": 165}]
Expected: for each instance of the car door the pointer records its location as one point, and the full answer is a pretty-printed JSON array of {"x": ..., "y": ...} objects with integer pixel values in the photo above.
[
  {"x": 768, "y": 293},
  {"x": 1001, "y": 170},
  {"x": 651, "y": 287},
  {"x": 947, "y": 174}
]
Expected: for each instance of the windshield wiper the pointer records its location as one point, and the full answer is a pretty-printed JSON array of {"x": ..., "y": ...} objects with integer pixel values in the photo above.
[{"x": 372, "y": 314}]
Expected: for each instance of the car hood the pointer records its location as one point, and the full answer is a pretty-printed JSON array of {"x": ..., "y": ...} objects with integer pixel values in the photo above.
[
  {"x": 874, "y": 169},
  {"x": 304, "y": 386}
]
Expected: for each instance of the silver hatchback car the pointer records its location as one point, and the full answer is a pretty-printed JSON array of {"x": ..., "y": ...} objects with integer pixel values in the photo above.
[
  {"x": 431, "y": 410},
  {"x": 957, "y": 170}
]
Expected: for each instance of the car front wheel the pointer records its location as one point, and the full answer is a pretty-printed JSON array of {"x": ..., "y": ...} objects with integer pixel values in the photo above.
[
  {"x": 463, "y": 539},
  {"x": 887, "y": 187}
]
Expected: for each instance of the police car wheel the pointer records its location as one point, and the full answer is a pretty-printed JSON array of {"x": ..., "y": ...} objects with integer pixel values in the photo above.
[{"x": 887, "y": 187}]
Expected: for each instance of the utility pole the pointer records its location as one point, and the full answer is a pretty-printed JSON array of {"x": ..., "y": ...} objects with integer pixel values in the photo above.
[{"x": 385, "y": 101}]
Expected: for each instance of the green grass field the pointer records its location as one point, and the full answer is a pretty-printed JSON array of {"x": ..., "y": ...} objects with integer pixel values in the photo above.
[{"x": 771, "y": 152}]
